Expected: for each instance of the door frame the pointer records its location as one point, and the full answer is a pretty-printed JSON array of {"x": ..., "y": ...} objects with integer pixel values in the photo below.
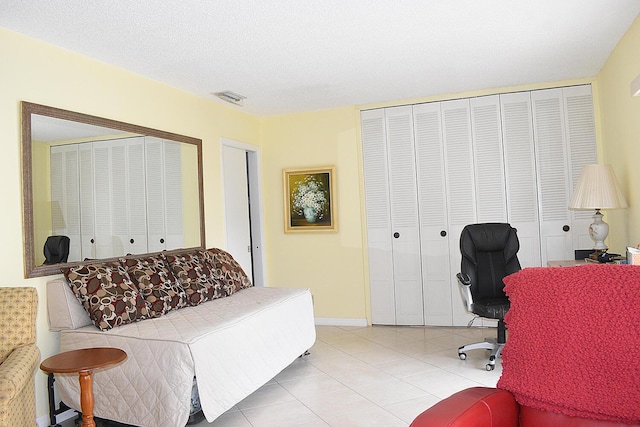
[{"x": 256, "y": 207}]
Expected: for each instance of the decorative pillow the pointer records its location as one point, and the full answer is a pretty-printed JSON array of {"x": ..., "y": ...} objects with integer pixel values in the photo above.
[
  {"x": 107, "y": 293},
  {"x": 194, "y": 277},
  {"x": 155, "y": 281},
  {"x": 226, "y": 270}
]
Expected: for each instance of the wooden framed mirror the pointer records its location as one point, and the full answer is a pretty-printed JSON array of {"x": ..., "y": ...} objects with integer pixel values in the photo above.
[{"x": 112, "y": 188}]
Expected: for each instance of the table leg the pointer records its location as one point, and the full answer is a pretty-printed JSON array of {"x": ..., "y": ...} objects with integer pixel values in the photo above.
[{"x": 86, "y": 399}]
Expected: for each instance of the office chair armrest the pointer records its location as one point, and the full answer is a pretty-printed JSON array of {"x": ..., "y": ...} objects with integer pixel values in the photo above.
[{"x": 464, "y": 286}]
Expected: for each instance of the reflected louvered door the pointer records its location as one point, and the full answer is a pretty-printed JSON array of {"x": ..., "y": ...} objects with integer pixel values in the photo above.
[
  {"x": 459, "y": 172},
  {"x": 432, "y": 200},
  {"x": 520, "y": 175},
  {"x": 65, "y": 208},
  {"x": 172, "y": 171},
  {"x": 553, "y": 175},
  {"x": 87, "y": 203},
  {"x": 103, "y": 241},
  {"x": 581, "y": 141},
  {"x": 405, "y": 243},
  {"x": 118, "y": 187},
  {"x": 378, "y": 215},
  {"x": 136, "y": 197},
  {"x": 155, "y": 194}
]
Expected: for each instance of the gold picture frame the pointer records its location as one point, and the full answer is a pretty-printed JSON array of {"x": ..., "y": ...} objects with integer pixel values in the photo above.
[{"x": 310, "y": 200}]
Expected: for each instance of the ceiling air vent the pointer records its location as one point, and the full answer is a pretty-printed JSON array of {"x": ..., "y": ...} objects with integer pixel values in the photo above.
[{"x": 231, "y": 97}]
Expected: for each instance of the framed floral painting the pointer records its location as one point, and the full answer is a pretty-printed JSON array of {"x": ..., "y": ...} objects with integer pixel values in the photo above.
[{"x": 309, "y": 200}]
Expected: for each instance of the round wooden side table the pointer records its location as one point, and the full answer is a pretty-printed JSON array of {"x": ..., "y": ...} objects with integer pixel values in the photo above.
[{"x": 84, "y": 362}]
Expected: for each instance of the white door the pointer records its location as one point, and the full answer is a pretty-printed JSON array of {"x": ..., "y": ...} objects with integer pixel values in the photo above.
[
  {"x": 565, "y": 141},
  {"x": 456, "y": 131},
  {"x": 407, "y": 269},
  {"x": 581, "y": 140},
  {"x": 553, "y": 176},
  {"x": 376, "y": 189},
  {"x": 432, "y": 199},
  {"x": 236, "y": 206},
  {"x": 520, "y": 175}
]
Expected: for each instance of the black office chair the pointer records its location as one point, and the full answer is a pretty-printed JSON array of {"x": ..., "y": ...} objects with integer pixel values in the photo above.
[
  {"x": 56, "y": 249},
  {"x": 489, "y": 253}
]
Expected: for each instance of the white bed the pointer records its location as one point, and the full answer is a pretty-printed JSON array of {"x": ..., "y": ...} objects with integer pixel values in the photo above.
[{"x": 232, "y": 345}]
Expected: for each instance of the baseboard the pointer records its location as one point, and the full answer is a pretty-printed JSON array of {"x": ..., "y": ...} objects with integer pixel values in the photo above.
[
  {"x": 331, "y": 321},
  {"x": 43, "y": 421}
]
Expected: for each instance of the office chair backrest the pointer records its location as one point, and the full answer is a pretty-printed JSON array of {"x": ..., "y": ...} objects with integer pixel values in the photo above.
[
  {"x": 489, "y": 253},
  {"x": 56, "y": 249}
]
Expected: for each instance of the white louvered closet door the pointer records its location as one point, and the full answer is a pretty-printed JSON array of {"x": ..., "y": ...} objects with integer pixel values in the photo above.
[
  {"x": 87, "y": 203},
  {"x": 376, "y": 187},
  {"x": 461, "y": 197},
  {"x": 581, "y": 140},
  {"x": 491, "y": 204},
  {"x": 407, "y": 274},
  {"x": 553, "y": 177},
  {"x": 520, "y": 174},
  {"x": 432, "y": 200}
]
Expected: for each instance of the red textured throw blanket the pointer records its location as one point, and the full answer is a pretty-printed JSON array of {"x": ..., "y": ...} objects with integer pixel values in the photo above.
[{"x": 574, "y": 341}]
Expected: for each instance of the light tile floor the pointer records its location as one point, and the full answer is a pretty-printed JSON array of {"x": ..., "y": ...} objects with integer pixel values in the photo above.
[
  {"x": 365, "y": 376},
  {"x": 368, "y": 376}
]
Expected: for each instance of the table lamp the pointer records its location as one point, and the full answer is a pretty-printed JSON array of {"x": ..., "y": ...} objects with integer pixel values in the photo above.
[{"x": 598, "y": 189}]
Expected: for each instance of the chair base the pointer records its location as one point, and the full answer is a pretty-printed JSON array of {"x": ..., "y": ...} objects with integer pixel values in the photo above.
[{"x": 488, "y": 344}]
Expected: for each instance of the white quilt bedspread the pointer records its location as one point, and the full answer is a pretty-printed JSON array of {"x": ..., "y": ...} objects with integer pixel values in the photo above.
[{"x": 233, "y": 346}]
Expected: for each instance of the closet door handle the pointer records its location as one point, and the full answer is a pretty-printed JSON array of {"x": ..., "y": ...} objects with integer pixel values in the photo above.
[
  {"x": 161, "y": 240},
  {"x": 396, "y": 234},
  {"x": 443, "y": 233},
  {"x": 93, "y": 241},
  {"x": 566, "y": 228},
  {"x": 131, "y": 241}
]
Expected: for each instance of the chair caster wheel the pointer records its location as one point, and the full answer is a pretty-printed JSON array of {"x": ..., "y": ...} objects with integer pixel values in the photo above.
[
  {"x": 462, "y": 356},
  {"x": 490, "y": 367}
]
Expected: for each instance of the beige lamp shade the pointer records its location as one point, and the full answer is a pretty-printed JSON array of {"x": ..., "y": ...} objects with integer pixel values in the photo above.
[{"x": 597, "y": 188}]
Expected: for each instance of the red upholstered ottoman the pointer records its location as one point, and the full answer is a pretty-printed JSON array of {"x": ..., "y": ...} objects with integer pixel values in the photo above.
[{"x": 473, "y": 407}]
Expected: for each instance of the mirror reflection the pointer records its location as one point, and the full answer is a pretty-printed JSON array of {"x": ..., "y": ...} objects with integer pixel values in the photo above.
[{"x": 102, "y": 189}]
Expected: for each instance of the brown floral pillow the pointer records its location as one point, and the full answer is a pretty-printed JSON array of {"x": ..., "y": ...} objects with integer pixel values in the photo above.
[
  {"x": 155, "y": 281},
  {"x": 194, "y": 277},
  {"x": 107, "y": 293},
  {"x": 226, "y": 270}
]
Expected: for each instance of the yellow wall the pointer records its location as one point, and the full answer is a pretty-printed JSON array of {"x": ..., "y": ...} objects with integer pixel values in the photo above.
[
  {"x": 37, "y": 72},
  {"x": 330, "y": 264},
  {"x": 620, "y": 123}
]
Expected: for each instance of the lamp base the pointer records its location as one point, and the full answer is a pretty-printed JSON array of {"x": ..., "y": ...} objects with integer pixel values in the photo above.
[{"x": 599, "y": 230}]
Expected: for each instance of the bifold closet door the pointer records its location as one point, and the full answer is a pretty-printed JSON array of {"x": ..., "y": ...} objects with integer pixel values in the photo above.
[
  {"x": 434, "y": 228},
  {"x": 461, "y": 194},
  {"x": 392, "y": 216},
  {"x": 376, "y": 185},
  {"x": 405, "y": 242},
  {"x": 564, "y": 133},
  {"x": 520, "y": 174}
]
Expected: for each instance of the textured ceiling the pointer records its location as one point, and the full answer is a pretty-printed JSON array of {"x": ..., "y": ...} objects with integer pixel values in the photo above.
[{"x": 294, "y": 55}]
